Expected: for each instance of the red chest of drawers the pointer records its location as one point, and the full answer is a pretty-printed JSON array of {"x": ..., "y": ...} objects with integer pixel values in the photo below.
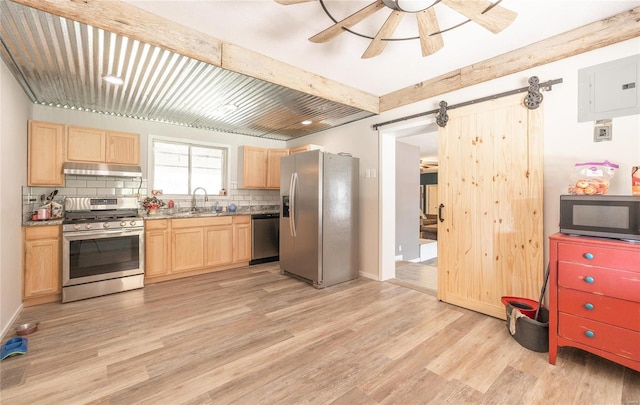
[{"x": 594, "y": 297}]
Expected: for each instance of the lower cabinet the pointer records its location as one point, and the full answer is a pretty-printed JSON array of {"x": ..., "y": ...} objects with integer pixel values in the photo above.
[
  {"x": 42, "y": 267},
  {"x": 184, "y": 247},
  {"x": 157, "y": 261}
]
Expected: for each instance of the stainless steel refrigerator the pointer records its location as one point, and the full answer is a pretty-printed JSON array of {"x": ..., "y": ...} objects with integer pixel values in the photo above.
[{"x": 319, "y": 217}]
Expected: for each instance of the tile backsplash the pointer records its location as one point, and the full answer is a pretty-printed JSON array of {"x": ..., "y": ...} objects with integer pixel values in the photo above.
[{"x": 99, "y": 186}]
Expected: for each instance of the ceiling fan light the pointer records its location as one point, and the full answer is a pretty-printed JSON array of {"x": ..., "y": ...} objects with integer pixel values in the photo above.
[
  {"x": 413, "y": 6},
  {"x": 113, "y": 80}
]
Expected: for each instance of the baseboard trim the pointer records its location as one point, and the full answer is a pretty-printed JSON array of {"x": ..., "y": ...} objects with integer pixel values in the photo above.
[
  {"x": 369, "y": 276},
  {"x": 11, "y": 322}
]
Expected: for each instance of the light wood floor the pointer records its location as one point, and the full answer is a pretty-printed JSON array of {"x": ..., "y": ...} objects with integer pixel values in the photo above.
[
  {"x": 253, "y": 336},
  {"x": 422, "y": 274}
]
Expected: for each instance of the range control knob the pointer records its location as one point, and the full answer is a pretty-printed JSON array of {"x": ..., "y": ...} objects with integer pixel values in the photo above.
[
  {"x": 123, "y": 224},
  {"x": 88, "y": 226},
  {"x": 76, "y": 226},
  {"x": 133, "y": 223},
  {"x": 106, "y": 225}
]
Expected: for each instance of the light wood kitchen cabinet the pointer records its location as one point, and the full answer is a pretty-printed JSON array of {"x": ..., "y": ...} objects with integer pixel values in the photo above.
[
  {"x": 86, "y": 145},
  {"x": 123, "y": 148},
  {"x": 219, "y": 249},
  {"x": 252, "y": 167},
  {"x": 304, "y": 148},
  {"x": 273, "y": 166},
  {"x": 241, "y": 238},
  {"x": 42, "y": 267},
  {"x": 45, "y": 154},
  {"x": 183, "y": 247},
  {"x": 432, "y": 199},
  {"x": 157, "y": 248},
  {"x": 187, "y": 249},
  {"x": 100, "y": 146},
  {"x": 259, "y": 167}
]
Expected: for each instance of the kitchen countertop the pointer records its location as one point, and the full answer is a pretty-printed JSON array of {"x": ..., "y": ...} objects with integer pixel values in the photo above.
[{"x": 162, "y": 214}]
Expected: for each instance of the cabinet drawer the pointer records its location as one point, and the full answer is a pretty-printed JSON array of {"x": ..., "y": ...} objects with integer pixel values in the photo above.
[
  {"x": 612, "y": 339},
  {"x": 151, "y": 224},
  {"x": 599, "y": 256},
  {"x": 242, "y": 219},
  {"x": 625, "y": 314},
  {"x": 200, "y": 222},
  {"x": 599, "y": 280},
  {"x": 41, "y": 232}
]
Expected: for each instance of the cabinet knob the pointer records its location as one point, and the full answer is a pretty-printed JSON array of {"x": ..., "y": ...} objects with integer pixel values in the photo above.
[
  {"x": 589, "y": 279},
  {"x": 590, "y": 334},
  {"x": 588, "y": 256},
  {"x": 589, "y": 306}
]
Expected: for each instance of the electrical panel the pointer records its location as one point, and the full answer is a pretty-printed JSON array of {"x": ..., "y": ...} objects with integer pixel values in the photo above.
[{"x": 609, "y": 90}]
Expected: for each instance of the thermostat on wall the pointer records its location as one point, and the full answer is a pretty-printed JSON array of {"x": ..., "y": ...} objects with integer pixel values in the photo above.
[{"x": 602, "y": 131}]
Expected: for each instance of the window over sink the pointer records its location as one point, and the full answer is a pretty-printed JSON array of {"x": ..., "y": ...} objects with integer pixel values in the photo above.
[{"x": 178, "y": 166}]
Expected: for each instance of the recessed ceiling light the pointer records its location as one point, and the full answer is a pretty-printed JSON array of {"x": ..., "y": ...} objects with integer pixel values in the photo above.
[
  {"x": 113, "y": 80},
  {"x": 306, "y": 122}
]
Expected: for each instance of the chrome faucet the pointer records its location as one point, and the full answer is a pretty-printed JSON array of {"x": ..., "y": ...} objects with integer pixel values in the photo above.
[{"x": 193, "y": 199}]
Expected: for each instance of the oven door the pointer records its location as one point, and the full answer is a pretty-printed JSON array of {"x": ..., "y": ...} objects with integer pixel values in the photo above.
[{"x": 101, "y": 255}]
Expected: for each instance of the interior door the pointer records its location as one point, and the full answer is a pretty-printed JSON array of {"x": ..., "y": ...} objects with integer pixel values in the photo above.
[{"x": 490, "y": 243}]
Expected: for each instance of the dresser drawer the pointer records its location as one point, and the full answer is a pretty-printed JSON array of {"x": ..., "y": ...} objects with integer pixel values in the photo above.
[
  {"x": 599, "y": 256},
  {"x": 619, "y": 341},
  {"x": 623, "y": 313},
  {"x": 599, "y": 280}
]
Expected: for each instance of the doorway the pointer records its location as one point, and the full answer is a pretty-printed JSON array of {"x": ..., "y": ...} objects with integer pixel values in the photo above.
[{"x": 416, "y": 208}]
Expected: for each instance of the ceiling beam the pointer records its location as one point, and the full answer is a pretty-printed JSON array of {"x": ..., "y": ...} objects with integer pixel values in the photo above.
[
  {"x": 618, "y": 28},
  {"x": 241, "y": 60},
  {"x": 127, "y": 20},
  {"x": 132, "y": 22}
]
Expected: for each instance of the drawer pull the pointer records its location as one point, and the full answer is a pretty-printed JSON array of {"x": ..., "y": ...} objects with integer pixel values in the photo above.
[
  {"x": 588, "y": 256},
  {"x": 589, "y": 279},
  {"x": 589, "y": 306},
  {"x": 590, "y": 334}
]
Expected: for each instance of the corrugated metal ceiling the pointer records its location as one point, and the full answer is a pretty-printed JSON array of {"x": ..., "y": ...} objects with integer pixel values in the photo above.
[{"x": 61, "y": 63}]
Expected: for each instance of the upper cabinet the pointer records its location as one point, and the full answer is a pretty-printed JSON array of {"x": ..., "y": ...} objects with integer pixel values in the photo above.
[
  {"x": 96, "y": 145},
  {"x": 304, "y": 148},
  {"x": 259, "y": 167},
  {"x": 45, "y": 151},
  {"x": 273, "y": 166}
]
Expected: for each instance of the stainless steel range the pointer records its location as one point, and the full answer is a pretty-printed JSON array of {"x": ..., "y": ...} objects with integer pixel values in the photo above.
[{"x": 103, "y": 247}]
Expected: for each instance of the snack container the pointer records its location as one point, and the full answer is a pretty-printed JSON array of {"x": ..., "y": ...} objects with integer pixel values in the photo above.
[
  {"x": 635, "y": 180},
  {"x": 591, "y": 178}
]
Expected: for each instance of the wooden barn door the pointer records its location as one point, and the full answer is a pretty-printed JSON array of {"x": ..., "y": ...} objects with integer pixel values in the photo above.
[{"x": 490, "y": 243}]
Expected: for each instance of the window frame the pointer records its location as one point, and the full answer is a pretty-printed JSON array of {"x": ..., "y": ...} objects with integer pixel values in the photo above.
[{"x": 191, "y": 143}]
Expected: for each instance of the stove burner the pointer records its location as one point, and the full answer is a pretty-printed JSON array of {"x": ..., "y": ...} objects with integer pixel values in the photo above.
[{"x": 75, "y": 217}]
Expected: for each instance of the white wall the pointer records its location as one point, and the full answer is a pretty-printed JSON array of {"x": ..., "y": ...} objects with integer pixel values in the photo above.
[
  {"x": 566, "y": 142},
  {"x": 14, "y": 113},
  {"x": 407, "y": 195}
]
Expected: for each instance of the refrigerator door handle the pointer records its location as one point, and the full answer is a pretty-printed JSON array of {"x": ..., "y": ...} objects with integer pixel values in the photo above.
[{"x": 292, "y": 203}]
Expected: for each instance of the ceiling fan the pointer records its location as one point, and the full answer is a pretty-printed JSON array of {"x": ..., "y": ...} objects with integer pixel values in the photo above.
[{"x": 485, "y": 13}]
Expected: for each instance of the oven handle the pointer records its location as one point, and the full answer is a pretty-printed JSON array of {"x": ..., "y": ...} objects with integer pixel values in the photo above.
[{"x": 114, "y": 232}]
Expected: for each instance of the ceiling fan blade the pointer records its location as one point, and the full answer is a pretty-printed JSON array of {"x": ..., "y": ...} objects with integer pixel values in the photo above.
[
  {"x": 495, "y": 20},
  {"x": 377, "y": 45},
  {"x": 428, "y": 24},
  {"x": 348, "y": 22},
  {"x": 288, "y": 2}
]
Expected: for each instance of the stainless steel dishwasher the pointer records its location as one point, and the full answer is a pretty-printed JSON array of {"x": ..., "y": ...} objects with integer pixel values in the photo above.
[{"x": 265, "y": 238}]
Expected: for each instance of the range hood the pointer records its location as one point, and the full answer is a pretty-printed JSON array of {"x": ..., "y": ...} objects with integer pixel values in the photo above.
[{"x": 102, "y": 169}]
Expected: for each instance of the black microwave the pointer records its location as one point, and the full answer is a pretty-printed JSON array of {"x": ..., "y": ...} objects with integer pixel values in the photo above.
[{"x": 605, "y": 216}]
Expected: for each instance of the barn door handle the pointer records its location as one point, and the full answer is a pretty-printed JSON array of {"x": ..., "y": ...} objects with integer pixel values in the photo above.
[{"x": 440, "y": 207}]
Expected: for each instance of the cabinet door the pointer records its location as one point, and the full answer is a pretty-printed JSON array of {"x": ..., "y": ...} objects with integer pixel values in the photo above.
[
  {"x": 187, "y": 249},
  {"x": 157, "y": 252},
  {"x": 273, "y": 166},
  {"x": 85, "y": 144},
  {"x": 254, "y": 170},
  {"x": 123, "y": 148},
  {"x": 242, "y": 239},
  {"x": 219, "y": 249},
  {"x": 298, "y": 149},
  {"x": 45, "y": 154},
  {"x": 42, "y": 261}
]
